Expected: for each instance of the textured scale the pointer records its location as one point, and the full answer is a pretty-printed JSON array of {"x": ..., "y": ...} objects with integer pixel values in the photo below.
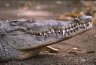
[
  {"x": 17, "y": 36},
  {"x": 7, "y": 52}
]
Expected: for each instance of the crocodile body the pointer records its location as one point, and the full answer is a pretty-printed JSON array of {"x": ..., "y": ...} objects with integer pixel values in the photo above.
[{"x": 22, "y": 38}]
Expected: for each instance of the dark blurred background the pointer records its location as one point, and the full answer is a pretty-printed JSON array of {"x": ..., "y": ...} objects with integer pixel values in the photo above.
[{"x": 45, "y": 9}]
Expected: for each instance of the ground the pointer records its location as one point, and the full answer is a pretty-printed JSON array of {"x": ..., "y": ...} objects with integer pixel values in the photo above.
[{"x": 79, "y": 50}]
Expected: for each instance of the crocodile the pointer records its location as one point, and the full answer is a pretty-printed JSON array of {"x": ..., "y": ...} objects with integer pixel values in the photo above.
[{"x": 22, "y": 39}]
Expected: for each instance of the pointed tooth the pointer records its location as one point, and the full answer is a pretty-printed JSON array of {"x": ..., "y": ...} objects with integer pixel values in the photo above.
[
  {"x": 63, "y": 32},
  {"x": 71, "y": 28},
  {"x": 52, "y": 30},
  {"x": 49, "y": 32},
  {"x": 78, "y": 25},
  {"x": 59, "y": 31},
  {"x": 87, "y": 24},
  {"x": 90, "y": 24},
  {"x": 40, "y": 33},
  {"x": 43, "y": 33},
  {"x": 67, "y": 30},
  {"x": 84, "y": 25}
]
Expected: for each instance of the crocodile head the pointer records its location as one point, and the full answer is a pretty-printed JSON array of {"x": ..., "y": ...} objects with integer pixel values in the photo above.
[{"x": 30, "y": 35}]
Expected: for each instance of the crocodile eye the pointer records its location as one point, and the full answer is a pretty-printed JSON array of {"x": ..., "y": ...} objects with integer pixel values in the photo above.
[{"x": 13, "y": 23}]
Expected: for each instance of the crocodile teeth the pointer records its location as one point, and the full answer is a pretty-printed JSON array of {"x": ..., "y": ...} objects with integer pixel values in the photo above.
[
  {"x": 59, "y": 31},
  {"x": 90, "y": 24},
  {"x": 85, "y": 25},
  {"x": 78, "y": 25},
  {"x": 52, "y": 30},
  {"x": 63, "y": 32},
  {"x": 71, "y": 29},
  {"x": 44, "y": 33},
  {"x": 67, "y": 30},
  {"x": 49, "y": 32},
  {"x": 40, "y": 33}
]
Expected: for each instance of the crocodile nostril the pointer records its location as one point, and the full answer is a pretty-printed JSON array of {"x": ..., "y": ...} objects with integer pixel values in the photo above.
[{"x": 88, "y": 20}]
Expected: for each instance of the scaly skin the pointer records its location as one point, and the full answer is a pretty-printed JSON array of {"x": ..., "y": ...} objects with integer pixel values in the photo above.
[{"x": 18, "y": 36}]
